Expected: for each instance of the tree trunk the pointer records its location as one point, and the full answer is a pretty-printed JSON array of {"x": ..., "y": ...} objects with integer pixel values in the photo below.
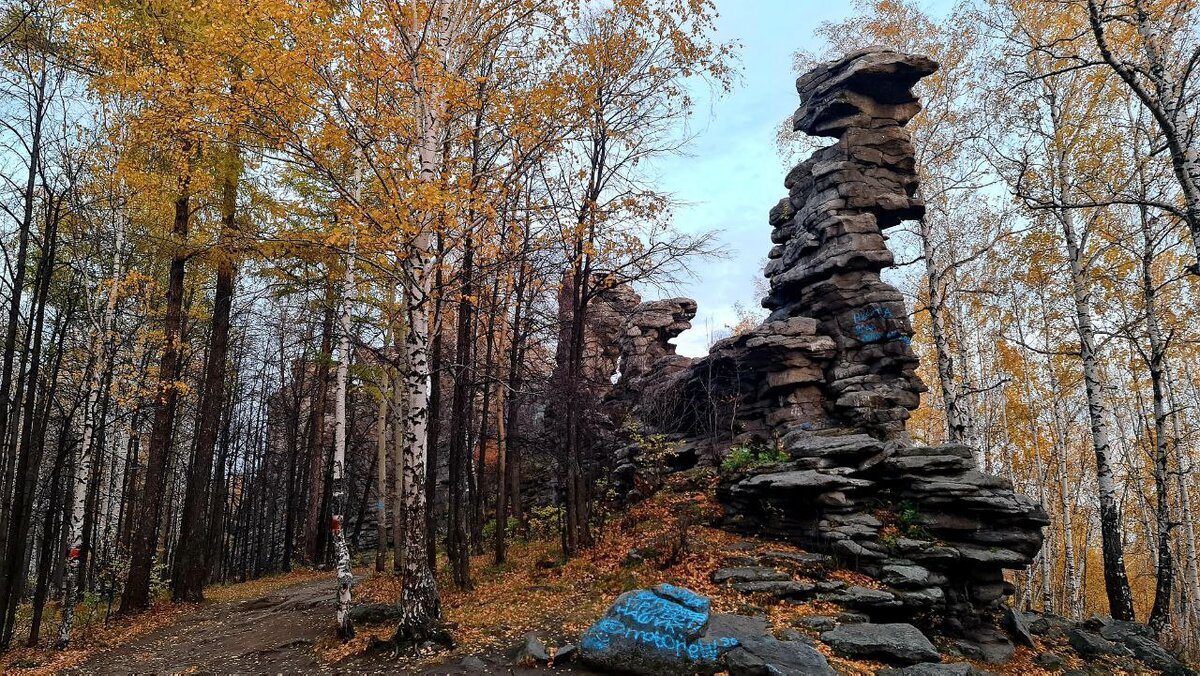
[
  {"x": 956, "y": 428},
  {"x": 435, "y": 414},
  {"x": 420, "y": 607},
  {"x": 345, "y": 576},
  {"x": 37, "y": 118},
  {"x": 1116, "y": 583},
  {"x": 83, "y": 463},
  {"x": 50, "y": 536},
  {"x": 1160, "y": 614},
  {"x": 460, "y": 455},
  {"x": 491, "y": 373},
  {"x": 577, "y": 535},
  {"x": 28, "y": 453},
  {"x": 401, "y": 424},
  {"x": 381, "y": 537},
  {"x": 315, "y": 445},
  {"x": 191, "y": 561},
  {"x": 136, "y": 596}
]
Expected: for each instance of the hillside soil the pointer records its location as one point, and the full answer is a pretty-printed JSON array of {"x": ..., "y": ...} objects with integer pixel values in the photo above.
[{"x": 285, "y": 624}]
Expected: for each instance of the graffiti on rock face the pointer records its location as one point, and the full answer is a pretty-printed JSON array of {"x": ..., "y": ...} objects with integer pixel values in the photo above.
[
  {"x": 600, "y": 637},
  {"x": 666, "y": 619},
  {"x": 687, "y": 597},
  {"x": 648, "y": 608},
  {"x": 876, "y": 325}
]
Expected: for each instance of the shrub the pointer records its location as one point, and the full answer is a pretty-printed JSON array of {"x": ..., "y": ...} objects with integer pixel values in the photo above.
[
  {"x": 746, "y": 457},
  {"x": 511, "y": 529},
  {"x": 909, "y": 521},
  {"x": 544, "y": 522},
  {"x": 653, "y": 451}
]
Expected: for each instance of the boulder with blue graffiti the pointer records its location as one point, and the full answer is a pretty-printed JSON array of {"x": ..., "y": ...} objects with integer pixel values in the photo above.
[{"x": 656, "y": 631}]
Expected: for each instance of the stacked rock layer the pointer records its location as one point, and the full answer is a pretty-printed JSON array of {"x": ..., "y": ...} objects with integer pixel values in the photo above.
[
  {"x": 837, "y": 347},
  {"x": 829, "y": 237},
  {"x": 645, "y": 342},
  {"x": 830, "y": 377}
]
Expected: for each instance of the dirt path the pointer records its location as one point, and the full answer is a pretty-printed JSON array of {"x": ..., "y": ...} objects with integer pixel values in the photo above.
[{"x": 272, "y": 634}]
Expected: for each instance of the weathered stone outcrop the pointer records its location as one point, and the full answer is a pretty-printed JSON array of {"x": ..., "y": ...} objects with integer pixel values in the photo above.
[
  {"x": 923, "y": 521},
  {"x": 612, "y": 303},
  {"x": 830, "y": 378},
  {"x": 655, "y": 631},
  {"x": 836, "y": 349},
  {"x": 828, "y": 232},
  {"x": 935, "y": 531},
  {"x": 645, "y": 346},
  {"x": 671, "y": 630},
  {"x": 761, "y": 382}
]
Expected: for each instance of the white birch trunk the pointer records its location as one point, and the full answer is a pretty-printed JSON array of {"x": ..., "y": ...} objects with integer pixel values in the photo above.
[
  {"x": 83, "y": 463},
  {"x": 1192, "y": 565},
  {"x": 419, "y": 604},
  {"x": 1187, "y": 532},
  {"x": 1116, "y": 582},
  {"x": 345, "y": 575},
  {"x": 1070, "y": 570},
  {"x": 955, "y": 429},
  {"x": 400, "y": 428}
]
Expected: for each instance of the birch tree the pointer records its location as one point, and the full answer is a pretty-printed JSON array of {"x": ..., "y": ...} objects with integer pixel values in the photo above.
[
  {"x": 1154, "y": 48},
  {"x": 345, "y": 575}
]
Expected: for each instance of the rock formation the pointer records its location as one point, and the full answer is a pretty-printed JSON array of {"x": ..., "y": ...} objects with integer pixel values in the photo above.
[
  {"x": 607, "y": 310},
  {"x": 645, "y": 345},
  {"x": 830, "y": 379},
  {"x": 829, "y": 237},
  {"x": 836, "y": 349},
  {"x": 671, "y": 631}
]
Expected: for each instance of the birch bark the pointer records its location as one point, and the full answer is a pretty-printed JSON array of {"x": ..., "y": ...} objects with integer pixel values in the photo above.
[
  {"x": 83, "y": 463},
  {"x": 345, "y": 575},
  {"x": 419, "y": 604},
  {"x": 1116, "y": 583}
]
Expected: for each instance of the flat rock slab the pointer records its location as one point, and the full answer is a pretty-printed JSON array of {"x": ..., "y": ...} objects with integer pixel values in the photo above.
[
  {"x": 748, "y": 574},
  {"x": 766, "y": 655},
  {"x": 782, "y": 589},
  {"x": 862, "y": 598},
  {"x": 897, "y": 643},
  {"x": 1139, "y": 639},
  {"x": 740, "y": 627},
  {"x": 803, "y": 562},
  {"x": 1088, "y": 644},
  {"x": 655, "y": 631},
  {"x": 816, "y": 622}
]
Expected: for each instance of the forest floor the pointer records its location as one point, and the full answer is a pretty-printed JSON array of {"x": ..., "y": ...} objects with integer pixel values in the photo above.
[{"x": 284, "y": 624}]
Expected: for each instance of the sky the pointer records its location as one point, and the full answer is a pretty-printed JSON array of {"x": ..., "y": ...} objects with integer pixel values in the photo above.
[{"x": 732, "y": 174}]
